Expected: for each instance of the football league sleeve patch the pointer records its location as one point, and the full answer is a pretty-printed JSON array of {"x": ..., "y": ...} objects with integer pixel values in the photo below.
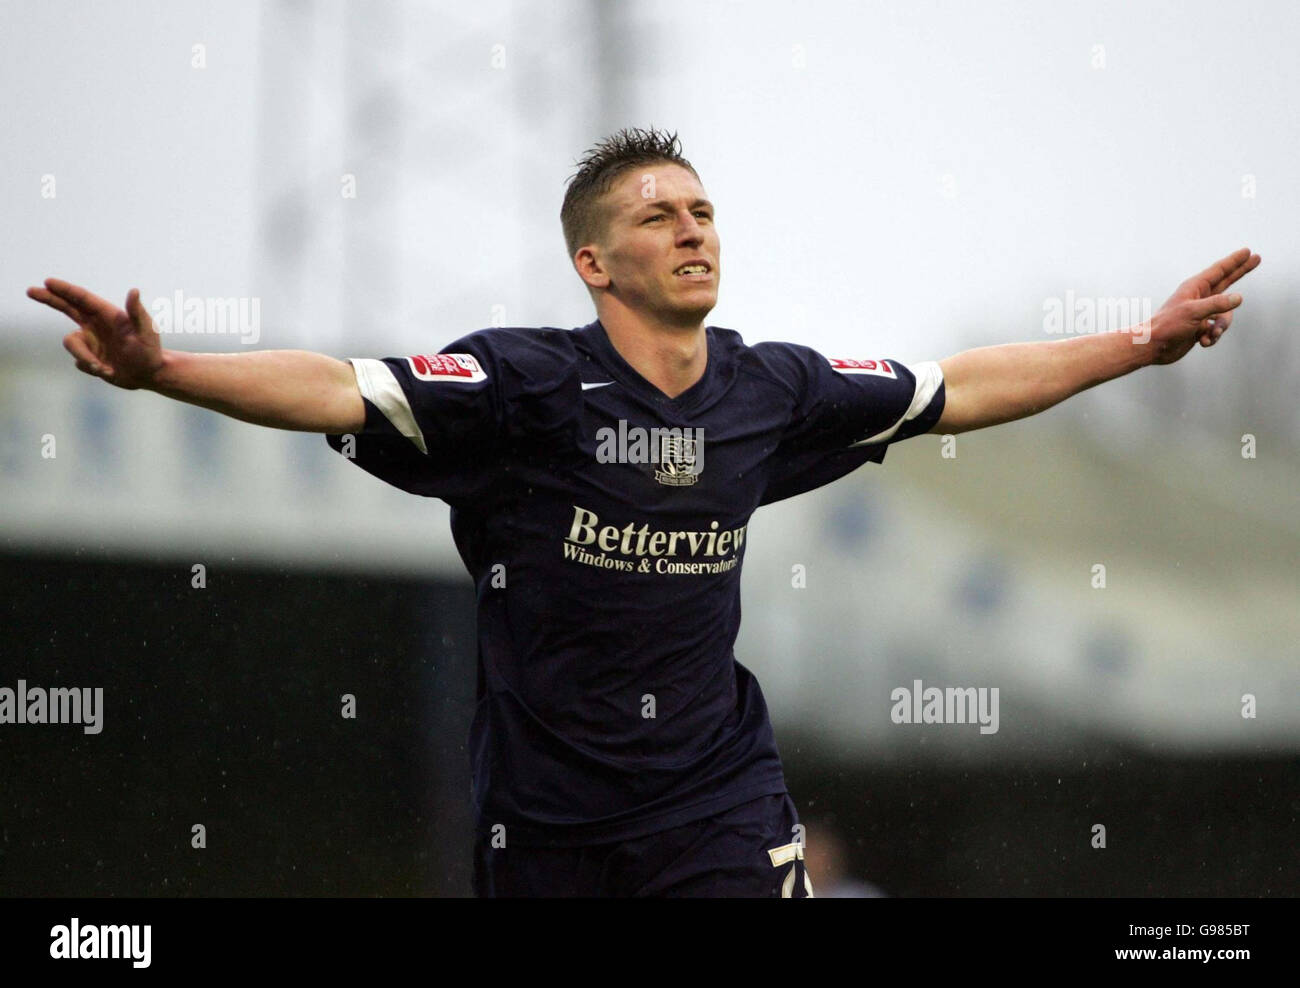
[
  {"x": 848, "y": 413},
  {"x": 921, "y": 412},
  {"x": 432, "y": 420},
  {"x": 438, "y": 400},
  {"x": 873, "y": 402},
  {"x": 441, "y": 424}
]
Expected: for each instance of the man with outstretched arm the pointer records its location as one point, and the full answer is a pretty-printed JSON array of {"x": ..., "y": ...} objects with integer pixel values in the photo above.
[{"x": 601, "y": 481}]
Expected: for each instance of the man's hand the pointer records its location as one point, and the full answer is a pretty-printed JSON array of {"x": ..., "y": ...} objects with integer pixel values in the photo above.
[
  {"x": 1200, "y": 310},
  {"x": 283, "y": 389},
  {"x": 995, "y": 384},
  {"x": 120, "y": 347}
]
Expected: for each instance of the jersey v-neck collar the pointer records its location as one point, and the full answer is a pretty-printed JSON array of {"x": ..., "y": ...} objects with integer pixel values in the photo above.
[{"x": 629, "y": 377}]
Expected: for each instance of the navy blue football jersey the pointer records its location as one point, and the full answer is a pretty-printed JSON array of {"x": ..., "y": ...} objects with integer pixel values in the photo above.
[{"x": 604, "y": 525}]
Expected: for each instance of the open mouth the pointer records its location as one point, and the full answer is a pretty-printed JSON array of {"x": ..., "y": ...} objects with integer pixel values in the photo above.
[{"x": 694, "y": 271}]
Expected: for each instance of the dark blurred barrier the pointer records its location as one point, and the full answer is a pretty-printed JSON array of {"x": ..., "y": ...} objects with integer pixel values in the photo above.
[
  {"x": 1174, "y": 827},
  {"x": 222, "y": 707}
]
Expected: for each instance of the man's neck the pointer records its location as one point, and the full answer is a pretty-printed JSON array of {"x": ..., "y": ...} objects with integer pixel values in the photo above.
[{"x": 672, "y": 358}]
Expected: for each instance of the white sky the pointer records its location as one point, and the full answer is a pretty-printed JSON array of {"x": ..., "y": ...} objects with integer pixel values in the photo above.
[{"x": 822, "y": 132}]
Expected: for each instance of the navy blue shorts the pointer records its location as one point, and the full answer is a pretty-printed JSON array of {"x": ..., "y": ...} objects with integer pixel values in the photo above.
[{"x": 754, "y": 850}]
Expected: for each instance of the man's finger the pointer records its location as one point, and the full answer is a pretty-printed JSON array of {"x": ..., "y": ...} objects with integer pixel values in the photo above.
[
  {"x": 1217, "y": 271},
  {"x": 1236, "y": 274},
  {"x": 87, "y": 302},
  {"x": 1204, "y": 308},
  {"x": 1223, "y": 321},
  {"x": 46, "y": 297},
  {"x": 75, "y": 344},
  {"x": 136, "y": 310}
]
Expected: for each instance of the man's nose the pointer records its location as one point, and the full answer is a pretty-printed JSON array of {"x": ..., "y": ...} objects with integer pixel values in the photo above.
[{"x": 689, "y": 230}]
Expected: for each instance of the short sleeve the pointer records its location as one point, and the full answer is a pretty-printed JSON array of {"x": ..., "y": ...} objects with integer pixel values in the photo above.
[
  {"x": 438, "y": 424},
  {"x": 846, "y": 413}
]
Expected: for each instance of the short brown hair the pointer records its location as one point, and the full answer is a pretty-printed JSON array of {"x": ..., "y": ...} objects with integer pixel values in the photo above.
[{"x": 583, "y": 215}]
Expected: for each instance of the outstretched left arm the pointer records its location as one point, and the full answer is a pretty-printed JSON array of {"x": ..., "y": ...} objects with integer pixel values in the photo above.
[{"x": 995, "y": 384}]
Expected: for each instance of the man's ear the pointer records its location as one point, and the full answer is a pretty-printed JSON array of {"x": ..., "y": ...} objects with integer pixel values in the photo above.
[{"x": 587, "y": 263}]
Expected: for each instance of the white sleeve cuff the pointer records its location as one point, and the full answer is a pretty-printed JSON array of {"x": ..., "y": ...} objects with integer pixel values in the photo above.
[
  {"x": 929, "y": 375},
  {"x": 378, "y": 384}
]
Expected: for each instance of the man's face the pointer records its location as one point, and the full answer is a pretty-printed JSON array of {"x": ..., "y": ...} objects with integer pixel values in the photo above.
[{"x": 659, "y": 218}]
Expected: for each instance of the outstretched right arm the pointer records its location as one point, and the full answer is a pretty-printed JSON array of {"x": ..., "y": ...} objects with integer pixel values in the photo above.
[{"x": 283, "y": 389}]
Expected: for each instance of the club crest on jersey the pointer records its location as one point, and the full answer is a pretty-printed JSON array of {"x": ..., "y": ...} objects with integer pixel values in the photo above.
[
  {"x": 880, "y": 368},
  {"x": 446, "y": 367},
  {"x": 680, "y": 459},
  {"x": 677, "y": 454}
]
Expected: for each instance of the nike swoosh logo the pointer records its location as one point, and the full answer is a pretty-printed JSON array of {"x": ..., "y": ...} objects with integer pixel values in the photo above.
[{"x": 588, "y": 387}]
